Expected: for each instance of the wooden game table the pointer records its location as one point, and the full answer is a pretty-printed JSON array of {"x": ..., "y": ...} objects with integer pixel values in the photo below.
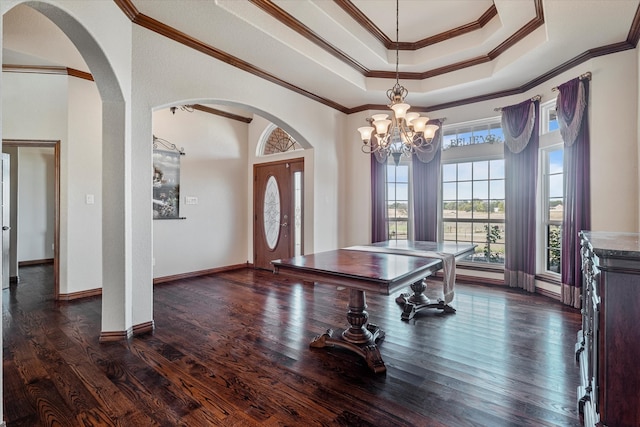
[{"x": 382, "y": 268}]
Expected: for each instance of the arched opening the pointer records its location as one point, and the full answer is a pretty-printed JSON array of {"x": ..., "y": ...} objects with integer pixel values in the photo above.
[{"x": 111, "y": 142}]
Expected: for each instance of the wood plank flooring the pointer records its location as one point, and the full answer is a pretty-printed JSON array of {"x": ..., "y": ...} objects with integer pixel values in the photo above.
[{"x": 232, "y": 350}]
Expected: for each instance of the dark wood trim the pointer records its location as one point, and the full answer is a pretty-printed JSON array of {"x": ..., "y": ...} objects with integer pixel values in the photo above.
[
  {"x": 114, "y": 336},
  {"x": 479, "y": 280},
  {"x": 306, "y": 32},
  {"x": 128, "y": 8},
  {"x": 634, "y": 31},
  {"x": 362, "y": 20},
  {"x": 477, "y": 266},
  {"x": 547, "y": 278},
  {"x": 46, "y": 69},
  {"x": 35, "y": 262},
  {"x": 79, "y": 74},
  {"x": 632, "y": 40},
  {"x": 165, "y": 279},
  {"x": 143, "y": 328},
  {"x": 528, "y": 28},
  {"x": 185, "y": 39},
  {"x": 55, "y": 144},
  {"x": 80, "y": 294},
  {"x": 547, "y": 293},
  {"x": 221, "y": 113}
]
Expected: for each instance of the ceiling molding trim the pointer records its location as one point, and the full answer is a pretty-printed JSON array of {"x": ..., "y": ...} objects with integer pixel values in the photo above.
[
  {"x": 528, "y": 28},
  {"x": 182, "y": 38},
  {"x": 128, "y": 8},
  {"x": 631, "y": 42},
  {"x": 79, "y": 74},
  {"x": 634, "y": 31},
  {"x": 572, "y": 63},
  {"x": 297, "y": 26},
  {"x": 46, "y": 69},
  {"x": 221, "y": 113},
  {"x": 362, "y": 19}
]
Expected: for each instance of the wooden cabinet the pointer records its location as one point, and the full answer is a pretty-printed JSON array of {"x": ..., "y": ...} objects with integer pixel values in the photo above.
[{"x": 608, "y": 347}]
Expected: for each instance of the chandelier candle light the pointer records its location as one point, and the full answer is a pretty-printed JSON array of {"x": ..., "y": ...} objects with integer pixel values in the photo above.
[{"x": 405, "y": 133}]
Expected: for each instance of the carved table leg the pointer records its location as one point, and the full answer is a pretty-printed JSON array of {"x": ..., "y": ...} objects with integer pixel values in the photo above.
[
  {"x": 361, "y": 337},
  {"x": 413, "y": 303}
]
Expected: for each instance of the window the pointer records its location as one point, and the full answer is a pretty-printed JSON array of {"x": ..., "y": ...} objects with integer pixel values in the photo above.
[
  {"x": 473, "y": 207},
  {"x": 473, "y": 133},
  {"x": 398, "y": 199},
  {"x": 552, "y": 208},
  {"x": 279, "y": 141},
  {"x": 473, "y": 188},
  {"x": 548, "y": 117}
]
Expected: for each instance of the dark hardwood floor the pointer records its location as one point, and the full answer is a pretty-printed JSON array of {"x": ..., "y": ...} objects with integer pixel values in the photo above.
[{"x": 232, "y": 350}]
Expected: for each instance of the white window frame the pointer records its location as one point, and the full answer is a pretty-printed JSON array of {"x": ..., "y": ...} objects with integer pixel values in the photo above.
[
  {"x": 550, "y": 140},
  {"x": 404, "y": 161},
  {"x": 469, "y": 153}
]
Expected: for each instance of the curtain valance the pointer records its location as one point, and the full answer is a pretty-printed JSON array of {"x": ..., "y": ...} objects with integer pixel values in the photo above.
[
  {"x": 518, "y": 122},
  {"x": 570, "y": 107}
]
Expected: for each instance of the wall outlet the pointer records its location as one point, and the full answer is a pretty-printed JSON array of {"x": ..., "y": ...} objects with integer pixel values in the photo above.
[
  {"x": 190, "y": 200},
  {"x": 90, "y": 199}
]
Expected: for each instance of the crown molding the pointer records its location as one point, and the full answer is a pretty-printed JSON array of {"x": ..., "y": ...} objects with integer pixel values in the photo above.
[
  {"x": 180, "y": 37},
  {"x": 46, "y": 69},
  {"x": 632, "y": 40},
  {"x": 362, "y": 19},
  {"x": 221, "y": 113}
]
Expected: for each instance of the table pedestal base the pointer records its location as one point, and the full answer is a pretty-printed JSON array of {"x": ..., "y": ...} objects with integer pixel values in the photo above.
[
  {"x": 368, "y": 351},
  {"x": 361, "y": 337},
  {"x": 413, "y": 303}
]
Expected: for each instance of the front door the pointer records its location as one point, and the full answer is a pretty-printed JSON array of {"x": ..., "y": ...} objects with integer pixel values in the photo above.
[{"x": 277, "y": 206}]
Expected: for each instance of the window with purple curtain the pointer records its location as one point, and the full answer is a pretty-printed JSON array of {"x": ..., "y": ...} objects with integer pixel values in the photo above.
[
  {"x": 520, "y": 124},
  {"x": 572, "y": 111},
  {"x": 425, "y": 175},
  {"x": 379, "y": 225}
]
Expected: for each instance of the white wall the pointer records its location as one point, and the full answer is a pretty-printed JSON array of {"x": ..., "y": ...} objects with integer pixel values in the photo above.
[
  {"x": 614, "y": 145},
  {"x": 65, "y": 109},
  {"x": 81, "y": 176},
  {"x": 36, "y": 167},
  {"x": 213, "y": 169}
]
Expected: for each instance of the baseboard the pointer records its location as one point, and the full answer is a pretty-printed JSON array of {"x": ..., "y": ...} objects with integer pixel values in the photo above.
[
  {"x": 113, "y": 336},
  {"x": 165, "y": 279},
  {"x": 479, "y": 280},
  {"x": 548, "y": 293},
  {"x": 35, "y": 262},
  {"x": 143, "y": 328},
  {"x": 81, "y": 294}
]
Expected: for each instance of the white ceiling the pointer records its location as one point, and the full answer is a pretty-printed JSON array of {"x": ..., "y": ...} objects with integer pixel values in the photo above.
[{"x": 246, "y": 31}]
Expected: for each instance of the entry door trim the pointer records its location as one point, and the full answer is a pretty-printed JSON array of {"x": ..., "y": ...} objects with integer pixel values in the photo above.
[
  {"x": 293, "y": 165},
  {"x": 56, "y": 220}
]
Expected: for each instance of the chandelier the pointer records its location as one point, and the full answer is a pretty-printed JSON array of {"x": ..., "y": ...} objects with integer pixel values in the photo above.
[{"x": 405, "y": 133}]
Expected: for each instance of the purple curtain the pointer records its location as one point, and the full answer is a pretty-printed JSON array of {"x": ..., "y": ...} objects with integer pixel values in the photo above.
[
  {"x": 573, "y": 117},
  {"x": 425, "y": 175},
  {"x": 521, "y": 132},
  {"x": 379, "y": 225}
]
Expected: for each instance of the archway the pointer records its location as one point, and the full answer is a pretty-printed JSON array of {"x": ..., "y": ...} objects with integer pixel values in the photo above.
[{"x": 115, "y": 282}]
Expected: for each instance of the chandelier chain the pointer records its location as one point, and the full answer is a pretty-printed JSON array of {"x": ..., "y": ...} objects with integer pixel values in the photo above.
[
  {"x": 397, "y": 41},
  {"x": 404, "y": 133}
]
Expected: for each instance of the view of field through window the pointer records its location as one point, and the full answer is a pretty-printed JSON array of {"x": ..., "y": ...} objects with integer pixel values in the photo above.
[
  {"x": 473, "y": 195},
  {"x": 398, "y": 199}
]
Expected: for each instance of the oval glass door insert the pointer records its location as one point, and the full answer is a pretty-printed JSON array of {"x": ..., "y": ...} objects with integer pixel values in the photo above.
[{"x": 271, "y": 212}]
